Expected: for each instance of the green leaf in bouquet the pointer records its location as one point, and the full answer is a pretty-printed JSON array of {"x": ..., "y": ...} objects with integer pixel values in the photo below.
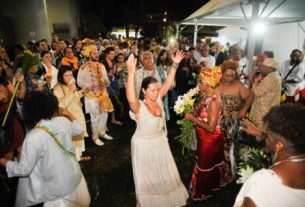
[
  {"x": 187, "y": 133},
  {"x": 188, "y": 108}
]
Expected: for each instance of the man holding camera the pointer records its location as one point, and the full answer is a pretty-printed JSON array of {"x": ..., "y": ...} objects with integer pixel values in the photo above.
[{"x": 292, "y": 74}]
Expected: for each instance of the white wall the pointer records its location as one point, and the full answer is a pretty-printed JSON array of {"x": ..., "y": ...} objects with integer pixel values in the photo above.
[{"x": 282, "y": 39}]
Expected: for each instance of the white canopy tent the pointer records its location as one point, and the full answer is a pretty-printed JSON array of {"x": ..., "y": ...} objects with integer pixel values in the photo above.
[
  {"x": 248, "y": 14},
  {"x": 231, "y": 35}
]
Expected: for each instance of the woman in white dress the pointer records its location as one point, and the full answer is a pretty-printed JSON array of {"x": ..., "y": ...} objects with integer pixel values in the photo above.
[{"x": 157, "y": 180}]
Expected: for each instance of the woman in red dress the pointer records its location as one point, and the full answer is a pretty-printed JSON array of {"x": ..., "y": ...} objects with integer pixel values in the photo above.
[
  {"x": 6, "y": 92},
  {"x": 209, "y": 171}
]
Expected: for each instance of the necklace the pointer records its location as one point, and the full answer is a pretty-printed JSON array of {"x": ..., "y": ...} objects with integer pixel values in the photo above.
[{"x": 293, "y": 159}]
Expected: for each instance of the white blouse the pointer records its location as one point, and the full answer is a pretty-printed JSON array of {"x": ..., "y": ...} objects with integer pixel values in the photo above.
[
  {"x": 265, "y": 189},
  {"x": 46, "y": 172}
]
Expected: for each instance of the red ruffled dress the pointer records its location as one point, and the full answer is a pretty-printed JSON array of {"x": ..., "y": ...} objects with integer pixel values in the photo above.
[{"x": 209, "y": 172}]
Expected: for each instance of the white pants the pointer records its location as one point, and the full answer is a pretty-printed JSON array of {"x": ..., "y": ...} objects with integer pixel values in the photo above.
[
  {"x": 80, "y": 197},
  {"x": 98, "y": 124}
]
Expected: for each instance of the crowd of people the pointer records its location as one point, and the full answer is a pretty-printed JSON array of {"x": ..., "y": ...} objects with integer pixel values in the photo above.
[{"x": 60, "y": 87}]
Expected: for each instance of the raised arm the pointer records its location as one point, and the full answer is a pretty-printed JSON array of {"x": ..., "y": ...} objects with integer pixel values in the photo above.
[
  {"x": 22, "y": 90},
  {"x": 134, "y": 103},
  {"x": 171, "y": 75}
]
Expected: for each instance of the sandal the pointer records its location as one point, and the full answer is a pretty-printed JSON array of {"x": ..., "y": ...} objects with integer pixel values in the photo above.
[{"x": 85, "y": 158}]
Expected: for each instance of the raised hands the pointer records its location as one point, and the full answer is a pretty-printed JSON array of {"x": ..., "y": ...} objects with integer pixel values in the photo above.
[
  {"x": 178, "y": 57},
  {"x": 131, "y": 64}
]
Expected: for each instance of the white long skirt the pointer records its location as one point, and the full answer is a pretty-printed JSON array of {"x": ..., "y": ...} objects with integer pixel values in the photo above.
[{"x": 79, "y": 198}]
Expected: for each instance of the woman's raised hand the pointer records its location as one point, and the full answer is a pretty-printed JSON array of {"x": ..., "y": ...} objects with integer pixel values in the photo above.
[
  {"x": 131, "y": 64},
  {"x": 178, "y": 57}
]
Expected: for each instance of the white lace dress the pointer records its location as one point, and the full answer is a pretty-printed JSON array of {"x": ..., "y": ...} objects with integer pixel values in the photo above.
[{"x": 157, "y": 180}]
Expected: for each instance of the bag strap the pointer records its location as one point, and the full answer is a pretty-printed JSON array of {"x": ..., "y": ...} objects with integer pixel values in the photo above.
[
  {"x": 59, "y": 143},
  {"x": 290, "y": 71}
]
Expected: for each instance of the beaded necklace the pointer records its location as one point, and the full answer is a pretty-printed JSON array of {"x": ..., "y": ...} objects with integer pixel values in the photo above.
[
  {"x": 294, "y": 159},
  {"x": 96, "y": 68},
  {"x": 57, "y": 141}
]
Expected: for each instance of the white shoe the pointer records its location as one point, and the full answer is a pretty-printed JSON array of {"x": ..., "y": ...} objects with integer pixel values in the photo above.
[
  {"x": 98, "y": 142},
  {"x": 106, "y": 136}
]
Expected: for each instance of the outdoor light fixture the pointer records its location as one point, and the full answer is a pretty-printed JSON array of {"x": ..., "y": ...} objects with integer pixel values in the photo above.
[
  {"x": 164, "y": 19},
  {"x": 171, "y": 40},
  {"x": 259, "y": 28}
]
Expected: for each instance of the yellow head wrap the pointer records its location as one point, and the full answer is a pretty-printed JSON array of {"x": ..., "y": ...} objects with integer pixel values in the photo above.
[
  {"x": 88, "y": 41},
  {"x": 88, "y": 49},
  {"x": 211, "y": 75}
]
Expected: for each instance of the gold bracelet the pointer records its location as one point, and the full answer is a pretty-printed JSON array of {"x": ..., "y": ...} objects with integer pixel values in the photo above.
[{"x": 175, "y": 65}]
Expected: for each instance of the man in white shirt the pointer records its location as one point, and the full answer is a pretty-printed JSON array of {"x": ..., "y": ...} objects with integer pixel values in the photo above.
[
  {"x": 48, "y": 170},
  {"x": 295, "y": 80},
  {"x": 149, "y": 69},
  {"x": 196, "y": 54},
  {"x": 207, "y": 60},
  {"x": 97, "y": 102}
]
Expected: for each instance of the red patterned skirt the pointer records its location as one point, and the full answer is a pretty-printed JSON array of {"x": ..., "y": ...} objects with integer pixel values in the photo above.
[{"x": 210, "y": 171}]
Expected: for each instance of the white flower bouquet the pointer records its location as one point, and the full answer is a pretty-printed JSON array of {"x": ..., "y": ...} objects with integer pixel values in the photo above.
[
  {"x": 251, "y": 159},
  {"x": 185, "y": 103}
]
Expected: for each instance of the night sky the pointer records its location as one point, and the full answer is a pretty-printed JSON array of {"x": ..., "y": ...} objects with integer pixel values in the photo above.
[{"x": 139, "y": 12}]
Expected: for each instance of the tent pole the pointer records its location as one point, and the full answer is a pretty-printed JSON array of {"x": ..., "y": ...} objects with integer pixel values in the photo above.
[
  {"x": 195, "y": 33},
  {"x": 177, "y": 31},
  {"x": 251, "y": 35}
]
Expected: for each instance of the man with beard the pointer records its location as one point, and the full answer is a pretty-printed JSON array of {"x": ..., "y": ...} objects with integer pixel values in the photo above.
[
  {"x": 292, "y": 74},
  {"x": 97, "y": 102}
]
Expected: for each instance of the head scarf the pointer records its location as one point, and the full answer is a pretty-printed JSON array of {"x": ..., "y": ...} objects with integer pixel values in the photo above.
[
  {"x": 88, "y": 41},
  {"x": 261, "y": 57},
  {"x": 271, "y": 63},
  {"x": 88, "y": 49},
  {"x": 211, "y": 75}
]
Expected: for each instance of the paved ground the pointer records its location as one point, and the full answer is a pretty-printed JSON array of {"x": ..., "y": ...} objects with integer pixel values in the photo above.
[{"x": 109, "y": 174}]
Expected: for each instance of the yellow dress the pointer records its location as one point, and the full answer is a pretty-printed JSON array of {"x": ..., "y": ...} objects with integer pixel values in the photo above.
[{"x": 71, "y": 101}]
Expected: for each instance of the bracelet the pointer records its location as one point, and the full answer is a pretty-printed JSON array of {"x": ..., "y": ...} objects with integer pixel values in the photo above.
[{"x": 175, "y": 65}]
